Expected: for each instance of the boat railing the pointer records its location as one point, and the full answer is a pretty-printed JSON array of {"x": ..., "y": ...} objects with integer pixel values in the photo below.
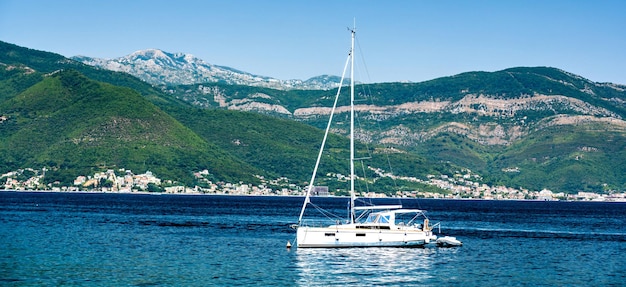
[
  {"x": 436, "y": 225},
  {"x": 320, "y": 223}
]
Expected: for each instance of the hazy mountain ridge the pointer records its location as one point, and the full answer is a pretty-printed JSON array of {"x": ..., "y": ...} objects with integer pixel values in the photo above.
[{"x": 158, "y": 67}]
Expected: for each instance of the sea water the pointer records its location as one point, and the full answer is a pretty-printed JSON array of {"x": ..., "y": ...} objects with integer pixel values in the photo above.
[{"x": 81, "y": 239}]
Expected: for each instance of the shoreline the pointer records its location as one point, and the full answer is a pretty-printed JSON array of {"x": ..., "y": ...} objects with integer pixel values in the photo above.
[{"x": 609, "y": 200}]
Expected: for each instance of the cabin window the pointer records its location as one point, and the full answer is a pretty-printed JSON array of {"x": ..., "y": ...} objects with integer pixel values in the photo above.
[
  {"x": 384, "y": 219},
  {"x": 377, "y": 218},
  {"x": 360, "y": 234},
  {"x": 329, "y": 234}
]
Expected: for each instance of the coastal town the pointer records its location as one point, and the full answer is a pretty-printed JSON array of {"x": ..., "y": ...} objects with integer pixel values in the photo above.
[{"x": 463, "y": 185}]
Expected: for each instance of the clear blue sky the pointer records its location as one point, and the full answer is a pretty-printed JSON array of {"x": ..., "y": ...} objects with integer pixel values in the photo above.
[{"x": 399, "y": 40}]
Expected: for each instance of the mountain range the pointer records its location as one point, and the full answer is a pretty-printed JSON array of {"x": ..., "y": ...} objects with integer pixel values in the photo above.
[
  {"x": 524, "y": 127},
  {"x": 532, "y": 127},
  {"x": 73, "y": 119},
  {"x": 158, "y": 67}
]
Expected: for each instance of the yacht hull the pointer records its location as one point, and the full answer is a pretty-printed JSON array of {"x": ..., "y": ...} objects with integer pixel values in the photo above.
[{"x": 351, "y": 236}]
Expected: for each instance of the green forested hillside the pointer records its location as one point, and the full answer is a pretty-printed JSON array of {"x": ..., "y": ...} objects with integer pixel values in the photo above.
[
  {"x": 587, "y": 157},
  {"x": 284, "y": 148},
  {"x": 23, "y": 67},
  {"x": 74, "y": 126},
  {"x": 476, "y": 120}
]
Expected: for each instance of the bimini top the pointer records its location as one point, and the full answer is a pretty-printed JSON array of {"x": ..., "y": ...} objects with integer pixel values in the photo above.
[{"x": 389, "y": 216}]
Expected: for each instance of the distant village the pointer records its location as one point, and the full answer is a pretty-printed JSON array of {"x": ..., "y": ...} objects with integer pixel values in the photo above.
[{"x": 463, "y": 185}]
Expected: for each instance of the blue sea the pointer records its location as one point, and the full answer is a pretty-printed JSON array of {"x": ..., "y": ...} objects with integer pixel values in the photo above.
[{"x": 81, "y": 239}]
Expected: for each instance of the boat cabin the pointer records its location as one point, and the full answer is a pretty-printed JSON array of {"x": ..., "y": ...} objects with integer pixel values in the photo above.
[{"x": 392, "y": 218}]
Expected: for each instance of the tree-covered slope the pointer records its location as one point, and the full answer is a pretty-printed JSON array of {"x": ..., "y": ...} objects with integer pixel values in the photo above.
[
  {"x": 474, "y": 120},
  {"x": 587, "y": 157},
  {"x": 31, "y": 64},
  {"x": 73, "y": 125},
  {"x": 285, "y": 148}
]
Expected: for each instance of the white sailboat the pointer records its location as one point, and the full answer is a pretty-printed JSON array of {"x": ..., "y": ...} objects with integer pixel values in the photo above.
[{"x": 373, "y": 226}]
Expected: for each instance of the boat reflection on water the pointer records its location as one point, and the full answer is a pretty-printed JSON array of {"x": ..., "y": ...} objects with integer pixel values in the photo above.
[{"x": 364, "y": 266}]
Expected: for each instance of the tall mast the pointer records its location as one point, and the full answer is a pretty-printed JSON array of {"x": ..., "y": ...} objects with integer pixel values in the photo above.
[
  {"x": 352, "y": 195},
  {"x": 350, "y": 60},
  {"x": 319, "y": 155}
]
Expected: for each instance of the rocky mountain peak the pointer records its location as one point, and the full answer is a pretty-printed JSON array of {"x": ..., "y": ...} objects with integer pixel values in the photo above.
[{"x": 158, "y": 67}]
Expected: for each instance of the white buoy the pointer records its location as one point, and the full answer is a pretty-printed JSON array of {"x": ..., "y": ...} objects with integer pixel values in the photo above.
[{"x": 288, "y": 244}]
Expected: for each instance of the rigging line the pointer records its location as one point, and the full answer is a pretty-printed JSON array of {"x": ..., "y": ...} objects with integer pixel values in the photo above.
[
  {"x": 367, "y": 92},
  {"x": 365, "y": 140},
  {"x": 414, "y": 145},
  {"x": 364, "y": 179},
  {"x": 362, "y": 86},
  {"x": 319, "y": 155},
  {"x": 367, "y": 187},
  {"x": 368, "y": 202},
  {"x": 326, "y": 213},
  {"x": 387, "y": 149},
  {"x": 368, "y": 149},
  {"x": 362, "y": 55}
]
